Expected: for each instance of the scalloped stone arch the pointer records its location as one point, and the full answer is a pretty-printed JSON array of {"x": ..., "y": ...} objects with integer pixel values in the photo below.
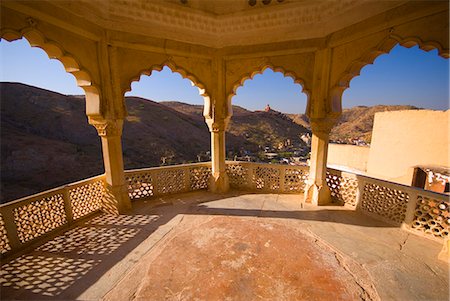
[
  {"x": 286, "y": 73},
  {"x": 71, "y": 65},
  {"x": 369, "y": 57},
  {"x": 174, "y": 68}
]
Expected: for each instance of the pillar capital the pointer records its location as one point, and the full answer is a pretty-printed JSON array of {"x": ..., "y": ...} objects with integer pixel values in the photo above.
[
  {"x": 322, "y": 126},
  {"x": 217, "y": 125},
  {"x": 108, "y": 127}
]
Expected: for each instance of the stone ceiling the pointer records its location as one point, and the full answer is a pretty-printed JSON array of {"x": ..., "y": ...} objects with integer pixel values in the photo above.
[
  {"x": 221, "y": 23},
  {"x": 225, "y": 7}
]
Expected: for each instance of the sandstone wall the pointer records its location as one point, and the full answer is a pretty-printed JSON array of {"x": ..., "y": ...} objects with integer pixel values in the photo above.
[
  {"x": 353, "y": 156},
  {"x": 402, "y": 139}
]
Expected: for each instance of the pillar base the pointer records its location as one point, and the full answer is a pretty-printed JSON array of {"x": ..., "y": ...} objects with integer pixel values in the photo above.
[
  {"x": 117, "y": 200},
  {"x": 219, "y": 183},
  {"x": 317, "y": 195}
]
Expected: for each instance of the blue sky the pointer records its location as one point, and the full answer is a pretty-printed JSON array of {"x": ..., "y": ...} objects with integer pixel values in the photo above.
[{"x": 404, "y": 76}]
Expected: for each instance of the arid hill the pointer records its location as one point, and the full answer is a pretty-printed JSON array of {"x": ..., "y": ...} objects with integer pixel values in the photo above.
[
  {"x": 253, "y": 129},
  {"x": 46, "y": 140},
  {"x": 355, "y": 123}
]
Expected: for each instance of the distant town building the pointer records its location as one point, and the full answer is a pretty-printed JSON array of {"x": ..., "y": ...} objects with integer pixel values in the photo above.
[
  {"x": 271, "y": 155},
  {"x": 306, "y": 138}
]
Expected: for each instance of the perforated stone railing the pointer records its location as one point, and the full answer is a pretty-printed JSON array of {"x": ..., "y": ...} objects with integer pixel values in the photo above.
[
  {"x": 4, "y": 241},
  {"x": 431, "y": 215},
  {"x": 25, "y": 220},
  {"x": 86, "y": 197},
  {"x": 419, "y": 211},
  {"x": 343, "y": 186},
  {"x": 267, "y": 177},
  {"x": 155, "y": 181},
  {"x": 148, "y": 182}
]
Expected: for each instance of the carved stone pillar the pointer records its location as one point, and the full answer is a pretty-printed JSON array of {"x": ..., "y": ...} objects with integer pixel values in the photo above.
[
  {"x": 110, "y": 131},
  {"x": 316, "y": 190},
  {"x": 219, "y": 179}
]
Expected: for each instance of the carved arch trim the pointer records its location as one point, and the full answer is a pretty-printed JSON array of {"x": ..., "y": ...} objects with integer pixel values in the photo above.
[
  {"x": 71, "y": 65},
  {"x": 184, "y": 74},
  {"x": 174, "y": 68},
  {"x": 369, "y": 57},
  {"x": 251, "y": 75}
]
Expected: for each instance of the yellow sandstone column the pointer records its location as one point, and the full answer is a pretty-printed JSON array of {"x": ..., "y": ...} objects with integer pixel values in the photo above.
[
  {"x": 116, "y": 200},
  {"x": 219, "y": 179},
  {"x": 317, "y": 191}
]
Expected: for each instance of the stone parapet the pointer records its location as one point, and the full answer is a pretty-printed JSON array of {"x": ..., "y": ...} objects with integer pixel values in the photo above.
[{"x": 33, "y": 219}]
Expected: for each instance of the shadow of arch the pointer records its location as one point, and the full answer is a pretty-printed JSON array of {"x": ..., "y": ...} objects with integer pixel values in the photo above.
[
  {"x": 71, "y": 65},
  {"x": 184, "y": 74},
  {"x": 369, "y": 57},
  {"x": 286, "y": 73}
]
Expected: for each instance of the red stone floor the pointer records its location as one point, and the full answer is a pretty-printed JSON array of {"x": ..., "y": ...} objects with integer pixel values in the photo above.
[{"x": 244, "y": 258}]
